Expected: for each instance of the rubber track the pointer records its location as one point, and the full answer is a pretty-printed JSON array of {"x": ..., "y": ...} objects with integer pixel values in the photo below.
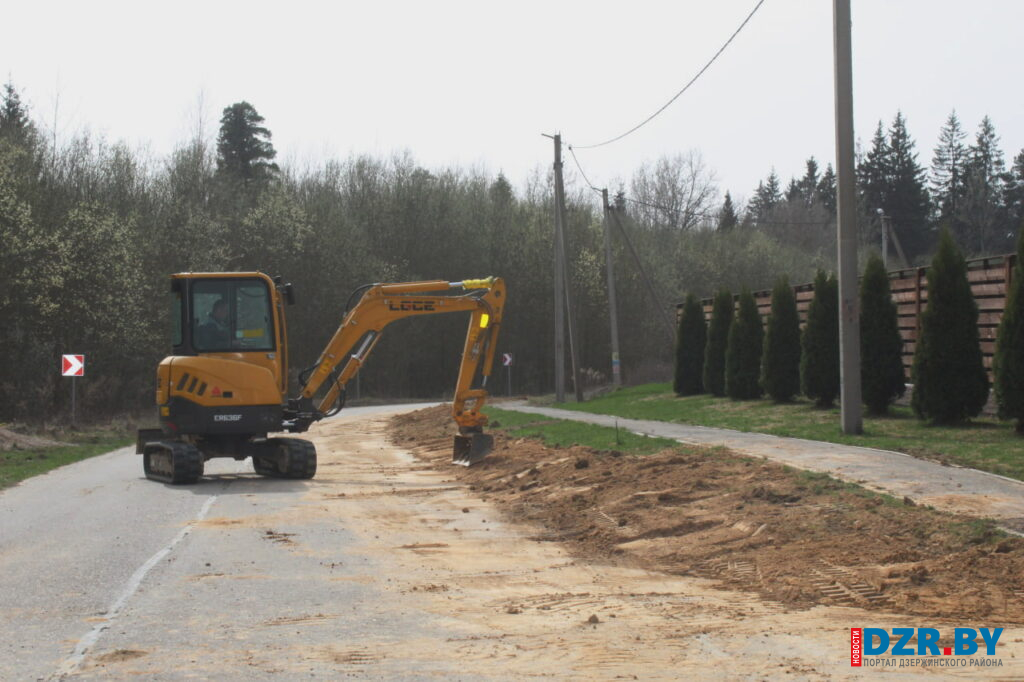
[
  {"x": 298, "y": 460},
  {"x": 300, "y": 457},
  {"x": 186, "y": 464}
]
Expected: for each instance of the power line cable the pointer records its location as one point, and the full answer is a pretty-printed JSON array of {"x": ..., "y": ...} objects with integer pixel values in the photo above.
[
  {"x": 685, "y": 87},
  {"x": 585, "y": 178}
]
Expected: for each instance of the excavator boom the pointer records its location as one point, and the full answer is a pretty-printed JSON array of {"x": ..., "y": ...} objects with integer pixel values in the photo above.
[{"x": 361, "y": 329}]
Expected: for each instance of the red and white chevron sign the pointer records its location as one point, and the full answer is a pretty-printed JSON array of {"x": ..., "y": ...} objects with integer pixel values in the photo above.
[{"x": 72, "y": 365}]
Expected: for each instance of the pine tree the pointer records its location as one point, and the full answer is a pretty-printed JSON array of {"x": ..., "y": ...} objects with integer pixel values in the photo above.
[
  {"x": 690, "y": 344},
  {"x": 1008, "y": 363},
  {"x": 950, "y": 383},
  {"x": 15, "y": 124},
  {"x": 949, "y": 176},
  {"x": 874, "y": 173},
  {"x": 793, "y": 191},
  {"x": 743, "y": 352},
  {"x": 1013, "y": 193},
  {"x": 810, "y": 182},
  {"x": 819, "y": 360},
  {"x": 718, "y": 340},
  {"x": 907, "y": 202},
  {"x": 981, "y": 215},
  {"x": 727, "y": 218},
  {"x": 244, "y": 150},
  {"x": 767, "y": 196},
  {"x": 827, "y": 189},
  {"x": 780, "y": 365},
  {"x": 881, "y": 346}
]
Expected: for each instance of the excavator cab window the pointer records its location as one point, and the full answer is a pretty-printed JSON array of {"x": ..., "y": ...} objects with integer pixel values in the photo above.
[{"x": 231, "y": 315}]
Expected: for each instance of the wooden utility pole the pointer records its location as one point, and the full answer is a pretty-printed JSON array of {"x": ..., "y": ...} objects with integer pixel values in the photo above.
[
  {"x": 846, "y": 209},
  {"x": 560, "y": 255},
  {"x": 613, "y": 314},
  {"x": 559, "y": 280}
]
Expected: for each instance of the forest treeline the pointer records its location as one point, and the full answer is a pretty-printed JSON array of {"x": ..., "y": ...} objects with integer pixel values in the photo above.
[
  {"x": 90, "y": 230},
  {"x": 967, "y": 189}
]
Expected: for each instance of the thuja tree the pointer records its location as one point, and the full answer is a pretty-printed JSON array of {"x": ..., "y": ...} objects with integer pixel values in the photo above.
[
  {"x": 819, "y": 361},
  {"x": 950, "y": 384},
  {"x": 881, "y": 347},
  {"x": 780, "y": 366},
  {"x": 1008, "y": 364},
  {"x": 690, "y": 341},
  {"x": 743, "y": 351},
  {"x": 718, "y": 339}
]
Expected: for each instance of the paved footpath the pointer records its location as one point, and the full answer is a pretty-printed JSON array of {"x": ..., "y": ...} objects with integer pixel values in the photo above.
[{"x": 950, "y": 488}]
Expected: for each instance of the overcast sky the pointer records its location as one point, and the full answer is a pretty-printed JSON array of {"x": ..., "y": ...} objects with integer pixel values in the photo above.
[{"x": 476, "y": 83}]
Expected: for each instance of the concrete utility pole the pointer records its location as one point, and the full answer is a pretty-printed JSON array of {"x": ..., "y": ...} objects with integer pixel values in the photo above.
[
  {"x": 889, "y": 233},
  {"x": 559, "y": 280},
  {"x": 846, "y": 210},
  {"x": 562, "y": 275},
  {"x": 613, "y": 313},
  {"x": 885, "y": 238}
]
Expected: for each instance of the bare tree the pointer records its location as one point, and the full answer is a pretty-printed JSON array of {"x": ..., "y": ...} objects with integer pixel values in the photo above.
[{"x": 678, "y": 192}]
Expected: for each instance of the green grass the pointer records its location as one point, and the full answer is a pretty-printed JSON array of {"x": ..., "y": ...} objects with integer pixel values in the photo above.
[
  {"x": 984, "y": 443},
  {"x": 563, "y": 433},
  {"x": 17, "y": 465}
]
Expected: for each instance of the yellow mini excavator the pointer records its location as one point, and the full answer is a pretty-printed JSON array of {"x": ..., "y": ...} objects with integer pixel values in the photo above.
[{"x": 225, "y": 387}]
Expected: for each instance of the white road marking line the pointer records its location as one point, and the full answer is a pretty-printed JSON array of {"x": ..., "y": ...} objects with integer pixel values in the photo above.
[{"x": 74, "y": 661}]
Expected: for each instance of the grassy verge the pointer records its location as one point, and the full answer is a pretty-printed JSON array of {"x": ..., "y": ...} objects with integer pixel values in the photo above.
[
  {"x": 17, "y": 465},
  {"x": 985, "y": 443},
  {"x": 563, "y": 432}
]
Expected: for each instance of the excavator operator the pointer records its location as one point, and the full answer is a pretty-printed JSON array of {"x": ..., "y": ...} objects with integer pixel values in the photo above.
[{"x": 214, "y": 334}]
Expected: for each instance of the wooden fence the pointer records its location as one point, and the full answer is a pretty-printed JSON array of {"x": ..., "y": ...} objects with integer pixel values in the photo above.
[{"x": 989, "y": 278}]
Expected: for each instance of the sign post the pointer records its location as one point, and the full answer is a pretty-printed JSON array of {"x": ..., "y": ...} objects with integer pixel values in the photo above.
[
  {"x": 72, "y": 366},
  {"x": 506, "y": 359}
]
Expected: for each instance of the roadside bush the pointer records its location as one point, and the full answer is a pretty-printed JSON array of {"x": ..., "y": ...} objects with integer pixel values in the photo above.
[
  {"x": 950, "y": 384},
  {"x": 743, "y": 352},
  {"x": 819, "y": 361},
  {"x": 1008, "y": 363},
  {"x": 881, "y": 346},
  {"x": 718, "y": 339},
  {"x": 690, "y": 341},
  {"x": 780, "y": 366}
]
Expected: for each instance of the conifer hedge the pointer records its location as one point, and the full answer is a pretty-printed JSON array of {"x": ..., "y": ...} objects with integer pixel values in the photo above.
[
  {"x": 780, "y": 366},
  {"x": 950, "y": 383},
  {"x": 690, "y": 341},
  {"x": 743, "y": 352},
  {"x": 881, "y": 346},
  {"x": 819, "y": 362},
  {"x": 718, "y": 339},
  {"x": 1008, "y": 363}
]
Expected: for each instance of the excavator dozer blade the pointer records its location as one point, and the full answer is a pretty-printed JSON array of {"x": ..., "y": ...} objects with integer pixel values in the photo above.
[{"x": 468, "y": 450}]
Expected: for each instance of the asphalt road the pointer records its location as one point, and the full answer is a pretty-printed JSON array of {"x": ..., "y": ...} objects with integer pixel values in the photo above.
[
  {"x": 93, "y": 553},
  {"x": 382, "y": 567}
]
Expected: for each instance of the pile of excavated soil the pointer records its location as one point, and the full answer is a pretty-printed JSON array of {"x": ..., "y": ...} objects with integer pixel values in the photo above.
[
  {"x": 9, "y": 440},
  {"x": 796, "y": 538}
]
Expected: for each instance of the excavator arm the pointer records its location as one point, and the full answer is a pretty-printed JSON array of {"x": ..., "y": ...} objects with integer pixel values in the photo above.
[{"x": 361, "y": 329}]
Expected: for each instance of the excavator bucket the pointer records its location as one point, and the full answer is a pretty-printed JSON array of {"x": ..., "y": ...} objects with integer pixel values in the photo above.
[{"x": 470, "y": 449}]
